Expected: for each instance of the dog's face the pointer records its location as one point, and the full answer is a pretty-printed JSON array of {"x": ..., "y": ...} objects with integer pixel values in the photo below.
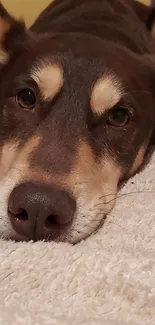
[{"x": 77, "y": 115}]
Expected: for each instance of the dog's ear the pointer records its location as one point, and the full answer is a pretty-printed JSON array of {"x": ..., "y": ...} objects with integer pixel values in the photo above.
[
  {"x": 11, "y": 31},
  {"x": 145, "y": 13}
]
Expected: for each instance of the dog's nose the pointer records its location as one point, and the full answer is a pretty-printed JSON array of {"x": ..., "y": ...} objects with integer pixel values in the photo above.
[{"x": 40, "y": 212}]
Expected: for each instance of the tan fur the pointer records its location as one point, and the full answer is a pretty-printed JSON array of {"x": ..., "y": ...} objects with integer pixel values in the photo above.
[
  {"x": 8, "y": 155},
  {"x": 106, "y": 93},
  {"x": 13, "y": 158},
  {"x": 138, "y": 161},
  {"x": 92, "y": 173},
  {"x": 94, "y": 185},
  {"x": 22, "y": 160},
  {"x": 49, "y": 78}
]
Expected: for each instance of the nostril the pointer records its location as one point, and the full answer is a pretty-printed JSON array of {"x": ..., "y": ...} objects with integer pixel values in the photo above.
[
  {"x": 57, "y": 221},
  {"x": 51, "y": 221},
  {"x": 20, "y": 215}
]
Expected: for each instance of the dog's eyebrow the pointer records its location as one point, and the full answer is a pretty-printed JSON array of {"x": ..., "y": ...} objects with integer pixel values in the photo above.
[
  {"x": 49, "y": 78},
  {"x": 106, "y": 93}
]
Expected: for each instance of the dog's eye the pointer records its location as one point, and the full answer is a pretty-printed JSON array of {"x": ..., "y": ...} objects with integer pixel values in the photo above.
[
  {"x": 118, "y": 117},
  {"x": 26, "y": 98}
]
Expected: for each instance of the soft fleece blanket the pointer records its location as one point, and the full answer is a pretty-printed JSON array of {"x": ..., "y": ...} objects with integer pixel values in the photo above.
[{"x": 109, "y": 279}]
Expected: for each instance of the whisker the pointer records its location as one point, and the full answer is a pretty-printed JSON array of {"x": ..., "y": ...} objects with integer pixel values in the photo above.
[
  {"x": 113, "y": 223},
  {"x": 130, "y": 193},
  {"x": 99, "y": 205},
  {"x": 138, "y": 91}
]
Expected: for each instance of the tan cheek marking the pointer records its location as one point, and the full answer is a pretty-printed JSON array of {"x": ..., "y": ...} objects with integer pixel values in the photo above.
[
  {"x": 106, "y": 93},
  {"x": 8, "y": 155},
  {"x": 27, "y": 149},
  {"x": 21, "y": 164},
  {"x": 92, "y": 174},
  {"x": 49, "y": 78},
  {"x": 138, "y": 161},
  {"x": 12, "y": 158}
]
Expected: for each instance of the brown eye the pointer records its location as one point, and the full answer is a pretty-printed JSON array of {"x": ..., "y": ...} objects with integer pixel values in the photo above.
[
  {"x": 26, "y": 98},
  {"x": 119, "y": 117}
]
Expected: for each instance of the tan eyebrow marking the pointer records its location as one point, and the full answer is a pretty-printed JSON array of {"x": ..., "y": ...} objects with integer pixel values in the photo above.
[
  {"x": 106, "y": 93},
  {"x": 49, "y": 77}
]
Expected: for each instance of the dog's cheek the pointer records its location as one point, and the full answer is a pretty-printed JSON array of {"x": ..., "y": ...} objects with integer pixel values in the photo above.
[
  {"x": 14, "y": 168},
  {"x": 8, "y": 155},
  {"x": 93, "y": 183},
  {"x": 14, "y": 159},
  {"x": 93, "y": 173},
  {"x": 138, "y": 161}
]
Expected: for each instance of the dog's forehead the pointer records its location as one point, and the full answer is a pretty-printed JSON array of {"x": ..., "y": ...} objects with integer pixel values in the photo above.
[
  {"x": 91, "y": 54},
  {"x": 82, "y": 57}
]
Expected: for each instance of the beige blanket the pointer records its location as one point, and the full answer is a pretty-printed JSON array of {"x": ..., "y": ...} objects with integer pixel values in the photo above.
[{"x": 107, "y": 279}]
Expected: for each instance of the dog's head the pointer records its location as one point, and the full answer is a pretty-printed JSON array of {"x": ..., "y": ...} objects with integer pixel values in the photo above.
[{"x": 76, "y": 118}]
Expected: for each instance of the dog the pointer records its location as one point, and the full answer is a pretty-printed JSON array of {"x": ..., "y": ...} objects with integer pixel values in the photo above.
[{"x": 77, "y": 116}]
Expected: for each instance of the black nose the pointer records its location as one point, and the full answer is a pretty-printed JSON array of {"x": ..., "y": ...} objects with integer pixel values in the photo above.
[{"x": 40, "y": 212}]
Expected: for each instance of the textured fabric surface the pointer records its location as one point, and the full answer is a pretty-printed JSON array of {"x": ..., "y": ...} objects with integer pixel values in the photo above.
[{"x": 108, "y": 279}]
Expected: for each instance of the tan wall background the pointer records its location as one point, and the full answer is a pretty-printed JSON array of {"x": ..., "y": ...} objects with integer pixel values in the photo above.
[{"x": 30, "y": 9}]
